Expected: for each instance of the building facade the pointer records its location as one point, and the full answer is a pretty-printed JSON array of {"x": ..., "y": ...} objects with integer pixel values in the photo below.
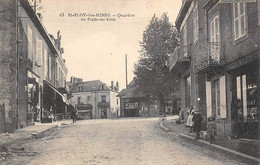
[
  {"x": 135, "y": 103},
  {"x": 218, "y": 62},
  {"x": 29, "y": 60},
  {"x": 94, "y": 99}
]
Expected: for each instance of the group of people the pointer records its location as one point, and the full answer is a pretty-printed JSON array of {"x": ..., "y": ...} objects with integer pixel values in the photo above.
[{"x": 194, "y": 123}]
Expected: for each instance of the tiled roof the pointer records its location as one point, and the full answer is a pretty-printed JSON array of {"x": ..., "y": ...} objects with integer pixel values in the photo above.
[
  {"x": 88, "y": 86},
  {"x": 131, "y": 93}
]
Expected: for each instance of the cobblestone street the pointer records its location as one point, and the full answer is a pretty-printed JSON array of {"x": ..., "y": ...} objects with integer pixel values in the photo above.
[{"x": 119, "y": 141}]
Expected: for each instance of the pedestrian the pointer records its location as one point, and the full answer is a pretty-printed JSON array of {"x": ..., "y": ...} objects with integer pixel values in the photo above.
[
  {"x": 190, "y": 123},
  {"x": 211, "y": 128},
  {"x": 74, "y": 114},
  {"x": 197, "y": 119}
]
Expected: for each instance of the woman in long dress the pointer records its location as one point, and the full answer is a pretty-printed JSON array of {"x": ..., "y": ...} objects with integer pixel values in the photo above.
[{"x": 190, "y": 123}]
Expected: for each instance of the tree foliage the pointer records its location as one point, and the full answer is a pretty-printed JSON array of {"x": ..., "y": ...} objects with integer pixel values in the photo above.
[{"x": 160, "y": 38}]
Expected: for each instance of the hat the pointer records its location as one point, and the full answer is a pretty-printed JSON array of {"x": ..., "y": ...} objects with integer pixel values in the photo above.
[{"x": 197, "y": 111}]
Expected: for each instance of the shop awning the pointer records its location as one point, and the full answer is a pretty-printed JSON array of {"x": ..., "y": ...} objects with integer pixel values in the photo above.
[{"x": 54, "y": 89}]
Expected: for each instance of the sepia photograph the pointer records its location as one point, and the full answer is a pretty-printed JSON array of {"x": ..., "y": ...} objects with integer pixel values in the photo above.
[{"x": 129, "y": 82}]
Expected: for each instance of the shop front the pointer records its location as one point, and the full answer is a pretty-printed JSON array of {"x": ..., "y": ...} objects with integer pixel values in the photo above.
[
  {"x": 34, "y": 93},
  {"x": 131, "y": 109},
  {"x": 84, "y": 111},
  {"x": 245, "y": 96},
  {"x": 54, "y": 104}
]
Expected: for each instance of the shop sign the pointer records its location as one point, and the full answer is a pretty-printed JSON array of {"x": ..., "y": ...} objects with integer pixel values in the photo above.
[{"x": 242, "y": 61}]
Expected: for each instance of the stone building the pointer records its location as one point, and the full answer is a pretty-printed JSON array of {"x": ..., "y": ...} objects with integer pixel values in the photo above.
[
  {"x": 94, "y": 99},
  {"x": 32, "y": 70},
  {"x": 218, "y": 62}
]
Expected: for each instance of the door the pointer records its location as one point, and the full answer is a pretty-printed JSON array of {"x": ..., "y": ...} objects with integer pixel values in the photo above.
[{"x": 103, "y": 113}]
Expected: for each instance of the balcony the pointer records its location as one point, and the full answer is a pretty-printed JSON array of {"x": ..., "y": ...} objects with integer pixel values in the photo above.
[
  {"x": 178, "y": 58},
  {"x": 84, "y": 106},
  {"x": 103, "y": 104},
  {"x": 207, "y": 55}
]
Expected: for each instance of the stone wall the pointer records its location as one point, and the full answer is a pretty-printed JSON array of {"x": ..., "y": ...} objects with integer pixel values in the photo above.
[{"x": 8, "y": 62}]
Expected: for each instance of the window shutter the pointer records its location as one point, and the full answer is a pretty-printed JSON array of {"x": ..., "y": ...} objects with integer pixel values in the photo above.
[
  {"x": 39, "y": 51},
  {"x": 244, "y": 90},
  {"x": 208, "y": 98},
  {"x": 223, "y": 106},
  {"x": 30, "y": 48}
]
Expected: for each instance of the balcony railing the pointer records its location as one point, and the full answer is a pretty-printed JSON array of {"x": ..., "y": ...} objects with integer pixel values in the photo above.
[
  {"x": 174, "y": 58},
  {"x": 180, "y": 55},
  {"x": 84, "y": 106},
  {"x": 103, "y": 104},
  {"x": 207, "y": 55}
]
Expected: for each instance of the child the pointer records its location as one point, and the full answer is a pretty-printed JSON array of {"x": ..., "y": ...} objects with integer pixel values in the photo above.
[
  {"x": 190, "y": 123},
  {"x": 211, "y": 129}
]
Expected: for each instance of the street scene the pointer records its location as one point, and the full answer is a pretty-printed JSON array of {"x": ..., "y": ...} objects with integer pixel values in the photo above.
[
  {"x": 129, "y": 82},
  {"x": 128, "y": 141}
]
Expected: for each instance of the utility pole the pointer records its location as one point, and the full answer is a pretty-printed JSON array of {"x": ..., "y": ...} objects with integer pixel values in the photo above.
[{"x": 126, "y": 71}]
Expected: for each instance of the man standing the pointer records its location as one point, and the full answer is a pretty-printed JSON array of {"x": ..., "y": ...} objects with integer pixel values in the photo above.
[
  {"x": 74, "y": 114},
  {"x": 197, "y": 119}
]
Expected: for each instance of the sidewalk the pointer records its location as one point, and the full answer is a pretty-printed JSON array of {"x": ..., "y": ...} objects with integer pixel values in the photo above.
[
  {"x": 35, "y": 131},
  {"x": 247, "y": 149}
]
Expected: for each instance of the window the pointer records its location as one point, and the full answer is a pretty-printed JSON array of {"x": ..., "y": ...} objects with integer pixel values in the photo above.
[
  {"x": 57, "y": 72},
  {"x": 30, "y": 46},
  {"x": 45, "y": 56},
  {"x": 80, "y": 88},
  {"x": 79, "y": 100},
  {"x": 239, "y": 19},
  {"x": 214, "y": 39},
  {"x": 39, "y": 51},
  {"x": 103, "y": 98},
  {"x": 195, "y": 22},
  {"x": 49, "y": 69},
  {"x": 246, "y": 85},
  {"x": 185, "y": 40}
]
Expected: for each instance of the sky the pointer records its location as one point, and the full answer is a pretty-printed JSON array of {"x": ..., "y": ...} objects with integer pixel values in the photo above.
[{"x": 95, "y": 49}]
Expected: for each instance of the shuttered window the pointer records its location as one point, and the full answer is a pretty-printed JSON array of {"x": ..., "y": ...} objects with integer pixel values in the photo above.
[
  {"x": 39, "y": 51},
  {"x": 30, "y": 46},
  {"x": 45, "y": 62},
  {"x": 208, "y": 98},
  {"x": 223, "y": 104},
  {"x": 195, "y": 22}
]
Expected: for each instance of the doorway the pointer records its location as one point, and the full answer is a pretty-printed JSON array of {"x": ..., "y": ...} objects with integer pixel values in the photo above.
[{"x": 103, "y": 113}]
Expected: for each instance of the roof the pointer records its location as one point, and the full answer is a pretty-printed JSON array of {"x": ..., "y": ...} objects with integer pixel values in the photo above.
[
  {"x": 184, "y": 8},
  {"x": 87, "y": 86},
  {"x": 131, "y": 93}
]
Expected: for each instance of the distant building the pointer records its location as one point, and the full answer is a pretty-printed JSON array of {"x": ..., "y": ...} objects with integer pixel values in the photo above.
[
  {"x": 94, "y": 99},
  {"x": 134, "y": 103},
  {"x": 32, "y": 70},
  {"x": 218, "y": 62}
]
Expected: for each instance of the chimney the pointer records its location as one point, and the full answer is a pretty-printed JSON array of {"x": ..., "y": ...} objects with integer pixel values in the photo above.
[
  {"x": 112, "y": 85},
  {"x": 117, "y": 86}
]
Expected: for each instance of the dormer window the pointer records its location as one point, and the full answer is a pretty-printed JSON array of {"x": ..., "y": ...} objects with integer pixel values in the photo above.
[{"x": 80, "y": 88}]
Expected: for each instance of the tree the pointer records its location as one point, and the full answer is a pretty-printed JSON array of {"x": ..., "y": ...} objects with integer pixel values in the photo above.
[{"x": 160, "y": 38}]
